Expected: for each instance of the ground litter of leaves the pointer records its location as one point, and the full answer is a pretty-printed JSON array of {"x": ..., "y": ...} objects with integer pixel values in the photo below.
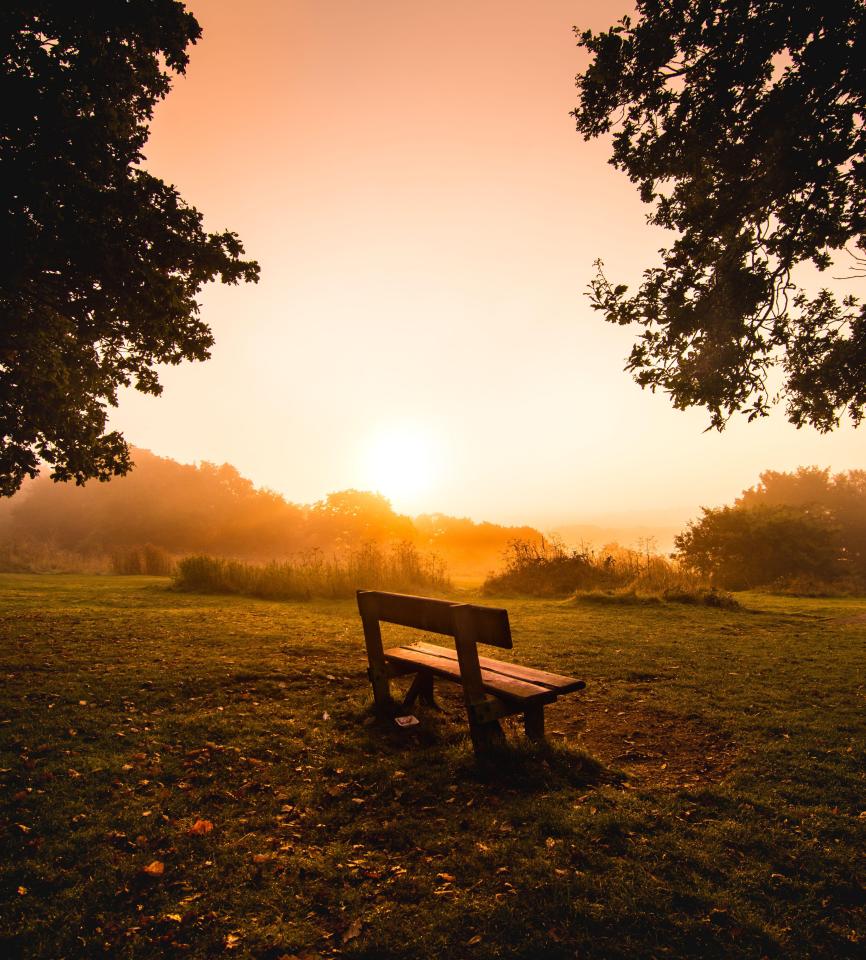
[{"x": 202, "y": 776}]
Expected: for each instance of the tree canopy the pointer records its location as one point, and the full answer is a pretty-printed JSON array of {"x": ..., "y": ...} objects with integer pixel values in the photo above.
[
  {"x": 803, "y": 524},
  {"x": 102, "y": 261},
  {"x": 741, "y": 123}
]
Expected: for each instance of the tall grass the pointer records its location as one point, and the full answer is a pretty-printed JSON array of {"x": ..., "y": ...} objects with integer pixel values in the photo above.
[
  {"x": 550, "y": 569},
  {"x": 33, "y": 556},
  {"x": 148, "y": 559},
  {"x": 399, "y": 568}
]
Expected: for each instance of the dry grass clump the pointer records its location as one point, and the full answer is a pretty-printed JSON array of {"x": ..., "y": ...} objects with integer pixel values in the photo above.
[
  {"x": 148, "y": 560},
  {"x": 612, "y": 575},
  {"x": 399, "y": 568}
]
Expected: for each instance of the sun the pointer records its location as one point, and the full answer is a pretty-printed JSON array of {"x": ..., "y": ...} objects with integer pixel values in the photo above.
[{"x": 400, "y": 463}]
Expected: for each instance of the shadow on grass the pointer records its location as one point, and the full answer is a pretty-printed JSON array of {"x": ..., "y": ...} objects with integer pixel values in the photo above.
[{"x": 439, "y": 747}]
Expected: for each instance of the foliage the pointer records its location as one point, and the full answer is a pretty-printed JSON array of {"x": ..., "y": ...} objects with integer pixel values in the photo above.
[
  {"x": 102, "y": 261},
  {"x": 742, "y": 547},
  {"x": 803, "y": 526},
  {"x": 399, "y": 569},
  {"x": 741, "y": 122},
  {"x": 547, "y": 568},
  {"x": 135, "y": 714},
  {"x": 841, "y": 496}
]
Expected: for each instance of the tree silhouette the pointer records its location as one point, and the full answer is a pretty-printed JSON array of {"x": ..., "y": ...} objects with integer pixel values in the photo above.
[
  {"x": 805, "y": 523},
  {"x": 741, "y": 122},
  {"x": 102, "y": 262}
]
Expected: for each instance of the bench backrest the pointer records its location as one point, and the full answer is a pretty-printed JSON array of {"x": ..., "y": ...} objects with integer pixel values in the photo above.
[{"x": 488, "y": 624}]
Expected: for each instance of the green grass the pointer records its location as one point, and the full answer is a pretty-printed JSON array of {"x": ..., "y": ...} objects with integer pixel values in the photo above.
[{"x": 722, "y": 814}]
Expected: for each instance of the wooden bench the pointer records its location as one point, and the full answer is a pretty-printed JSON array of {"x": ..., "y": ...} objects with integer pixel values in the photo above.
[{"x": 491, "y": 688}]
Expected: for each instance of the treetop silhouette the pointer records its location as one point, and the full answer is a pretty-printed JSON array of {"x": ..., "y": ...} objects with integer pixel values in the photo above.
[
  {"x": 102, "y": 261},
  {"x": 741, "y": 123}
]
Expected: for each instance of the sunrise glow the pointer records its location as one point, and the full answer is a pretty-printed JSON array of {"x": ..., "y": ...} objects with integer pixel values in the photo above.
[{"x": 400, "y": 463}]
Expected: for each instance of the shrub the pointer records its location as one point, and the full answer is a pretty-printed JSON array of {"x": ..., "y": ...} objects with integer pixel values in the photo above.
[
  {"x": 549, "y": 569},
  {"x": 611, "y": 575}
]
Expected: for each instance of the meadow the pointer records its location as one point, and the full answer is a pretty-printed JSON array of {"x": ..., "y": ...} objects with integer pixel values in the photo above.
[{"x": 201, "y": 776}]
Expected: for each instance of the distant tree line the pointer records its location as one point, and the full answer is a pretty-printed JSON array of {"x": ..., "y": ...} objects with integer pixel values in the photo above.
[
  {"x": 808, "y": 525},
  {"x": 208, "y": 509}
]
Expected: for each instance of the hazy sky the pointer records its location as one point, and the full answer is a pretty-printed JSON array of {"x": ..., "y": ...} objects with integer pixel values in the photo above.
[{"x": 426, "y": 219}]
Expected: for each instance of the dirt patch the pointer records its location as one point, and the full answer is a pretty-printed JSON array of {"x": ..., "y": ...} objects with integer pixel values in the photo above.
[{"x": 654, "y": 748}]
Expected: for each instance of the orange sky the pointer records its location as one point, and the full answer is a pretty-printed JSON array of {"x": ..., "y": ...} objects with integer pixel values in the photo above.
[{"x": 426, "y": 219}]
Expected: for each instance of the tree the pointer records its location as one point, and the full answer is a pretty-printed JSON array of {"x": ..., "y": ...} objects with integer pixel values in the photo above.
[
  {"x": 102, "y": 262},
  {"x": 741, "y": 122},
  {"x": 741, "y": 547},
  {"x": 841, "y": 496},
  {"x": 808, "y": 522}
]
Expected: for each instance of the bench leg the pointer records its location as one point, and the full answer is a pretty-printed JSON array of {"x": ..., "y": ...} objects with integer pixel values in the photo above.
[
  {"x": 533, "y": 722},
  {"x": 486, "y": 737},
  {"x": 381, "y": 689},
  {"x": 422, "y": 686}
]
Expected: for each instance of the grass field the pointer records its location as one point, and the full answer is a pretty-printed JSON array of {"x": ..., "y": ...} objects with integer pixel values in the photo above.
[{"x": 198, "y": 776}]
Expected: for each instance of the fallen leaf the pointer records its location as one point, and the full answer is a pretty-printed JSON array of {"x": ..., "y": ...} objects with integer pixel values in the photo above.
[
  {"x": 22, "y": 891},
  {"x": 174, "y": 916},
  {"x": 232, "y": 941},
  {"x": 261, "y": 857},
  {"x": 447, "y": 877},
  {"x": 353, "y": 930},
  {"x": 200, "y": 827},
  {"x": 473, "y": 940},
  {"x": 156, "y": 868}
]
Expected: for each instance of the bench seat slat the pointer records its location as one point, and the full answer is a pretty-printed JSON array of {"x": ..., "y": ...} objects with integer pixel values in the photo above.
[
  {"x": 553, "y": 681},
  {"x": 502, "y": 686}
]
